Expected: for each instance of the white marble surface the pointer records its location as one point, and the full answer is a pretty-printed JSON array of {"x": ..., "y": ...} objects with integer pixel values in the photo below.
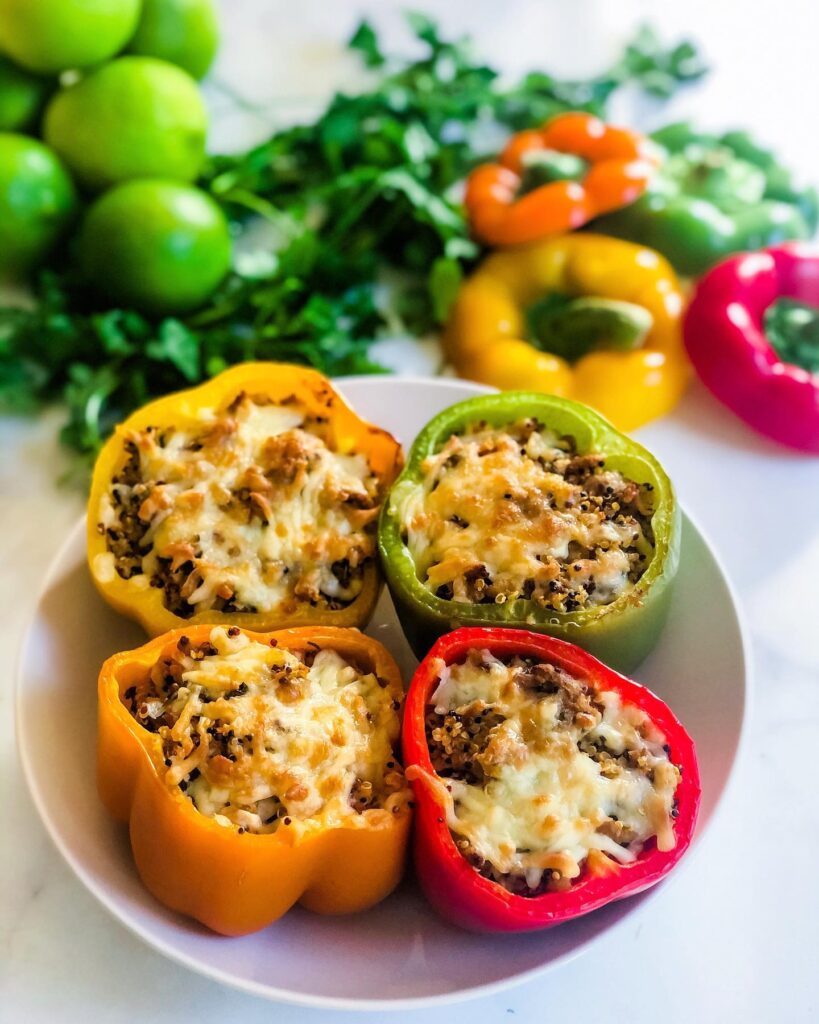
[{"x": 736, "y": 936}]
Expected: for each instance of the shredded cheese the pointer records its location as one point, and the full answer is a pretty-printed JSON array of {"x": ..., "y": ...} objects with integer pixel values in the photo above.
[
  {"x": 536, "y": 770},
  {"x": 259, "y": 738},
  {"x": 501, "y": 514},
  {"x": 250, "y": 510}
]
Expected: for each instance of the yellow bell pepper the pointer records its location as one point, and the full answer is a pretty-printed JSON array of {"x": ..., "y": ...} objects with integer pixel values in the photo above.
[
  {"x": 135, "y": 597},
  {"x": 232, "y": 882},
  {"x": 487, "y": 336}
]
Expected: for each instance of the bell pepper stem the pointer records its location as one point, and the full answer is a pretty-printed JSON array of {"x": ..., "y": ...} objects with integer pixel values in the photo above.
[
  {"x": 546, "y": 165},
  {"x": 588, "y": 323},
  {"x": 792, "y": 328}
]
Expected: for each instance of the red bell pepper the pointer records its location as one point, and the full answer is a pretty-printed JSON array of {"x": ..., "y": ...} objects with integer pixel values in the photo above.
[
  {"x": 725, "y": 335},
  {"x": 452, "y": 885}
]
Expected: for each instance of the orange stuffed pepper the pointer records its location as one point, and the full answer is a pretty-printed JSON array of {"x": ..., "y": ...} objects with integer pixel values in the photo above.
[
  {"x": 256, "y": 770},
  {"x": 251, "y": 500}
]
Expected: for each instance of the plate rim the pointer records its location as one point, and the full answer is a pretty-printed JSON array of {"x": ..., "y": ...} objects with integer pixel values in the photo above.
[{"x": 347, "y": 1003}]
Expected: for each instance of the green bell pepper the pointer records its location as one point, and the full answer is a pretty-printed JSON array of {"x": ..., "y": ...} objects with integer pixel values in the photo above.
[
  {"x": 620, "y": 633},
  {"x": 713, "y": 196}
]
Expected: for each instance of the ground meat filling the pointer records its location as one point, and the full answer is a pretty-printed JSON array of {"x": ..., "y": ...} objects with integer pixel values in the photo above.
[
  {"x": 254, "y": 511},
  {"x": 260, "y": 738},
  {"x": 546, "y": 778},
  {"x": 517, "y": 512}
]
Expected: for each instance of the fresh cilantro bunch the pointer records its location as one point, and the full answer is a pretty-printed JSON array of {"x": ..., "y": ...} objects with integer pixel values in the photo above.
[{"x": 370, "y": 188}]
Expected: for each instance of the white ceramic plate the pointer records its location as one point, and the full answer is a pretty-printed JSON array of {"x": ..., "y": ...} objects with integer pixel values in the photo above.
[{"x": 398, "y": 955}]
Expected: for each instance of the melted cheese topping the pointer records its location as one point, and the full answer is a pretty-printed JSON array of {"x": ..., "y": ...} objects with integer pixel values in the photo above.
[
  {"x": 537, "y": 772},
  {"x": 251, "y": 511},
  {"x": 506, "y": 513},
  {"x": 260, "y": 738}
]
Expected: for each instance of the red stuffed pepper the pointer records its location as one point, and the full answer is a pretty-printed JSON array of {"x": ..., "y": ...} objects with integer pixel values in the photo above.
[
  {"x": 546, "y": 784},
  {"x": 752, "y": 332}
]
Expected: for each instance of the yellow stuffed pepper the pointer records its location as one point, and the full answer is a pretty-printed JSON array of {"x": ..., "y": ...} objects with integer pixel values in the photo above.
[
  {"x": 250, "y": 500},
  {"x": 256, "y": 770},
  {"x": 582, "y": 316}
]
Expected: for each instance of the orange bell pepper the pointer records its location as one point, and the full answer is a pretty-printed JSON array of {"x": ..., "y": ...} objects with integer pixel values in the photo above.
[
  {"x": 621, "y": 164},
  {"x": 233, "y": 882},
  {"x": 134, "y": 597}
]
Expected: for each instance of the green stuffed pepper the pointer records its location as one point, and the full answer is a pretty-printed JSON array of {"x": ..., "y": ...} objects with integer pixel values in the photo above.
[
  {"x": 524, "y": 509},
  {"x": 713, "y": 196}
]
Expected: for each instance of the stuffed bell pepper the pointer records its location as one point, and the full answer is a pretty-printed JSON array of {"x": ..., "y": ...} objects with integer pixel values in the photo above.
[
  {"x": 713, "y": 196},
  {"x": 556, "y": 178},
  {"x": 528, "y": 510},
  {"x": 249, "y": 500},
  {"x": 256, "y": 770},
  {"x": 584, "y": 316},
  {"x": 546, "y": 785},
  {"x": 752, "y": 332}
]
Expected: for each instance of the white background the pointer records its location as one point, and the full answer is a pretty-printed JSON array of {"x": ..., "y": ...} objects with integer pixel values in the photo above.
[{"x": 736, "y": 935}]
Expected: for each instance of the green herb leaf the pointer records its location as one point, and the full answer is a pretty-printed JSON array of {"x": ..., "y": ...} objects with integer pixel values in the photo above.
[
  {"x": 365, "y": 40},
  {"x": 444, "y": 281},
  {"x": 792, "y": 328},
  {"x": 424, "y": 28},
  {"x": 178, "y": 345},
  {"x": 658, "y": 70}
]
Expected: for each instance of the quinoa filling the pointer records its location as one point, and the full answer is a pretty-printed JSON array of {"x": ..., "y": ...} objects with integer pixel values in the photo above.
[
  {"x": 253, "y": 511},
  {"x": 260, "y": 738},
  {"x": 545, "y": 778},
  {"x": 517, "y": 512}
]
